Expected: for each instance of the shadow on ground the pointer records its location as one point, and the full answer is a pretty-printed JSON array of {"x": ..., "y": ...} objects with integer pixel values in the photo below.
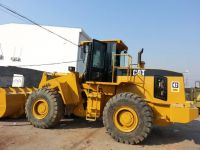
[
  {"x": 14, "y": 122},
  {"x": 175, "y": 133},
  {"x": 160, "y": 135},
  {"x": 76, "y": 123}
]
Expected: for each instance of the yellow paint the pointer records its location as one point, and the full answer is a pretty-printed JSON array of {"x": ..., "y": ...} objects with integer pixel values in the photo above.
[
  {"x": 163, "y": 111},
  {"x": 143, "y": 86},
  {"x": 40, "y": 109},
  {"x": 67, "y": 84},
  {"x": 69, "y": 88},
  {"x": 125, "y": 119},
  {"x": 182, "y": 113},
  {"x": 12, "y": 101},
  {"x": 198, "y": 97}
]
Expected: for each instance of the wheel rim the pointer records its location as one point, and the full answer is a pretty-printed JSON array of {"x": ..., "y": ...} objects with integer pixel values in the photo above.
[
  {"x": 125, "y": 119},
  {"x": 40, "y": 109}
]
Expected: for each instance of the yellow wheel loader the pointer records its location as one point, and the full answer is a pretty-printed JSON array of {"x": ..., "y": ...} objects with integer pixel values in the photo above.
[
  {"x": 193, "y": 94},
  {"x": 128, "y": 97}
]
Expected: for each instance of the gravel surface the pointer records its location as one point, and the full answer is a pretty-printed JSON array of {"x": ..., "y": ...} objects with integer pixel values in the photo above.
[{"x": 79, "y": 134}]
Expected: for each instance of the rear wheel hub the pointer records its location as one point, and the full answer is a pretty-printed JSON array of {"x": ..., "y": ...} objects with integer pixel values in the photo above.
[
  {"x": 40, "y": 109},
  {"x": 125, "y": 119}
]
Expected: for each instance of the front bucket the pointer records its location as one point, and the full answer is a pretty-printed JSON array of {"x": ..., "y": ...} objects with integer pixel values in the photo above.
[{"x": 12, "y": 101}]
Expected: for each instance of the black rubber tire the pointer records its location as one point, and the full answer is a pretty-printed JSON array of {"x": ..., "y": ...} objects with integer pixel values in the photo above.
[
  {"x": 55, "y": 108},
  {"x": 144, "y": 114}
]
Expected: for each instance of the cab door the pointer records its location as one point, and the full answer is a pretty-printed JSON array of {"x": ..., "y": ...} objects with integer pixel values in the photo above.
[{"x": 96, "y": 68}]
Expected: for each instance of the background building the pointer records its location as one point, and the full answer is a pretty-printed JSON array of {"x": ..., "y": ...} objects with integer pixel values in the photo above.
[
  {"x": 29, "y": 46},
  {"x": 29, "y": 50}
]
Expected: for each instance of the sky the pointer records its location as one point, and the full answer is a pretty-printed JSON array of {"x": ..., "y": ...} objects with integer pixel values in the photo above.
[{"x": 169, "y": 31}]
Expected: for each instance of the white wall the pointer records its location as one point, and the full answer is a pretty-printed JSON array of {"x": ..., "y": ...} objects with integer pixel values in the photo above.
[{"x": 36, "y": 46}]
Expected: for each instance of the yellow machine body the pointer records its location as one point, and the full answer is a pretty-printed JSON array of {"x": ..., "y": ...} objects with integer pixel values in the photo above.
[
  {"x": 194, "y": 94},
  {"x": 129, "y": 97},
  {"x": 175, "y": 109},
  {"x": 12, "y": 101},
  {"x": 69, "y": 88},
  {"x": 76, "y": 92}
]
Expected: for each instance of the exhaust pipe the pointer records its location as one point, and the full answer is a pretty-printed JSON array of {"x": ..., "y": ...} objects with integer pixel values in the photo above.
[{"x": 140, "y": 56}]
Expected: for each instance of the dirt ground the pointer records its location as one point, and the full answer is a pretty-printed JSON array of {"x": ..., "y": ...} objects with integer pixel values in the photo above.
[{"x": 81, "y": 135}]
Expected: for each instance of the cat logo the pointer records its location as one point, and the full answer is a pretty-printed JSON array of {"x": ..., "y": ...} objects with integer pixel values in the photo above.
[
  {"x": 138, "y": 72},
  {"x": 175, "y": 86}
]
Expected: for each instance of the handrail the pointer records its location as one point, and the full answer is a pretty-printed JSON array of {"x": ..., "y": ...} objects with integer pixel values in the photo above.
[{"x": 128, "y": 67}]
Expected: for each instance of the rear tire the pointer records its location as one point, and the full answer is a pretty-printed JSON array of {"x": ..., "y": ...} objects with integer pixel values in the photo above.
[
  {"x": 127, "y": 118},
  {"x": 44, "y": 108}
]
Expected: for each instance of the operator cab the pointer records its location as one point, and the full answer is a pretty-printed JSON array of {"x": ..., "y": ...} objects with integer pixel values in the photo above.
[{"x": 98, "y": 57}]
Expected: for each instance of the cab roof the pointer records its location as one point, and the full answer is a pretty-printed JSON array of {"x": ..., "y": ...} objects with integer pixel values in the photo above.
[{"x": 120, "y": 43}]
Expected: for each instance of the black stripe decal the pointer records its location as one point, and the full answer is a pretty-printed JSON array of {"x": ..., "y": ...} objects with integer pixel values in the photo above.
[
  {"x": 153, "y": 72},
  {"x": 150, "y": 72}
]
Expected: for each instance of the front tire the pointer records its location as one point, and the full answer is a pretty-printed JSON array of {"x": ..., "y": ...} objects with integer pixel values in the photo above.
[
  {"x": 44, "y": 108},
  {"x": 127, "y": 118}
]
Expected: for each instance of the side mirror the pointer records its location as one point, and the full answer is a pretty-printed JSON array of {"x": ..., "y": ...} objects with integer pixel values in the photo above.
[
  {"x": 83, "y": 49},
  {"x": 71, "y": 69}
]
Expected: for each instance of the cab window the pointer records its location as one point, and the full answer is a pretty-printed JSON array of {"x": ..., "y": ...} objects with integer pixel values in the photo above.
[{"x": 160, "y": 87}]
